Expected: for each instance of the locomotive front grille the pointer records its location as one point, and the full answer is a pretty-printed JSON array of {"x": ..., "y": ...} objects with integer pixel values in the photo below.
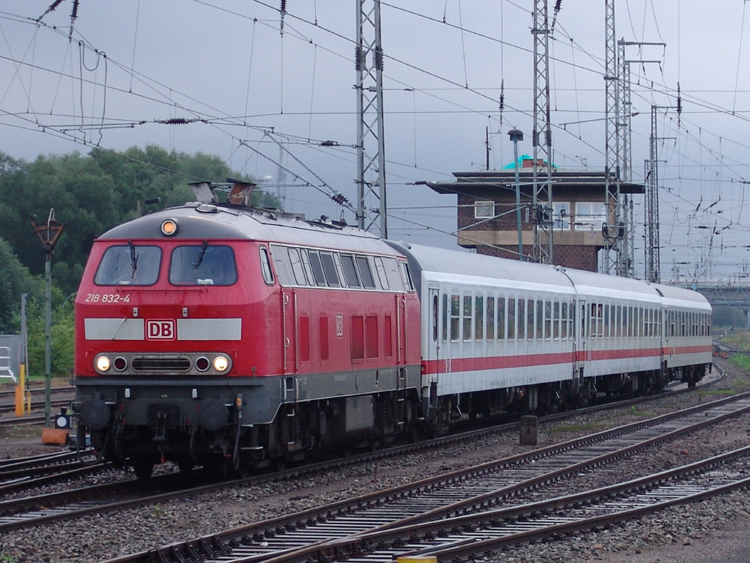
[{"x": 161, "y": 364}]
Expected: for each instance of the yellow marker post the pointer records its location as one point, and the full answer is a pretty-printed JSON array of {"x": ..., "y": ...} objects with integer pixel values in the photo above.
[{"x": 20, "y": 392}]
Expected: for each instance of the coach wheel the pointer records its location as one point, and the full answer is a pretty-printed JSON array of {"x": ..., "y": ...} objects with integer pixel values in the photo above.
[{"x": 143, "y": 469}]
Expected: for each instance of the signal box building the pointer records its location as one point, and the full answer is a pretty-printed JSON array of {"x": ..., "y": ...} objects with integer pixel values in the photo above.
[{"x": 487, "y": 219}]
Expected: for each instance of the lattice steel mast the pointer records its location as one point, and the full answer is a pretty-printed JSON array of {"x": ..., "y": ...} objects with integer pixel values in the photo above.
[
  {"x": 543, "y": 250},
  {"x": 371, "y": 188},
  {"x": 613, "y": 231},
  {"x": 652, "y": 206}
]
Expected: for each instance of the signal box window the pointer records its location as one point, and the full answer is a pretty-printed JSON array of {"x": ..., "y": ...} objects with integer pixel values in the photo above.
[
  {"x": 129, "y": 265},
  {"x": 203, "y": 265},
  {"x": 484, "y": 209}
]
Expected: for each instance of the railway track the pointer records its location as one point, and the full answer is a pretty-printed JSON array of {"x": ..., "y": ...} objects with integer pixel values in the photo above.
[
  {"x": 546, "y": 465},
  {"x": 484, "y": 533},
  {"x": 19, "y": 513}
]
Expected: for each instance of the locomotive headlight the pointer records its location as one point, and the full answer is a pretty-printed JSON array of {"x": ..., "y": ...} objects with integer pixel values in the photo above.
[
  {"x": 221, "y": 363},
  {"x": 102, "y": 363},
  {"x": 169, "y": 227}
]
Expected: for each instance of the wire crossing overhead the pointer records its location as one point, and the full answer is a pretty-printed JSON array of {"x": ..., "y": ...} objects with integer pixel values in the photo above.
[{"x": 371, "y": 188}]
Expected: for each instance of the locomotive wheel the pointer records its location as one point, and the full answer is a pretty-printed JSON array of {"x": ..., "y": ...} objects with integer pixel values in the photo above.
[{"x": 143, "y": 469}]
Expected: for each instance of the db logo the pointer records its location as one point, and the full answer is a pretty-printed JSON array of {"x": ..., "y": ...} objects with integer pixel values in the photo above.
[{"x": 160, "y": 330}]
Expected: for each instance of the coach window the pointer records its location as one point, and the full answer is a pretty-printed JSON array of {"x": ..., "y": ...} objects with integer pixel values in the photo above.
[
  {"x": 540, "y": 320},
  {"x": 435, "y": 317},
  {"x": 501, "y": 318},
  {"x": 363, "y": 265},
  {"x": 445, "y": 317},
  {"x": 511, "y": 317},
  {"x": 547, "y": 320},
  {"x": 455, "y": 317},
  {"x": 479, "y": 317},
  {"x": 530, "y": 319},
  {"x": 521, "y": 318},
  {"x": 265, "y": 266},
  {"x": 329, "y": 269},
  {"x": 350, "y": 271},
  {"x": 466, "y": 318},
  {"x": 490, "y": 317},
  {"x": 564, "y": 321},
  {"x": 129, "y": 265},
  {"x": 556, "y": 320}
]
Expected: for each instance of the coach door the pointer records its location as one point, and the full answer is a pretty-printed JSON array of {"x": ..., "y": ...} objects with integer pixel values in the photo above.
[
  {"x": 432, "y": 365},
  {"x": 581, "y": 338}
]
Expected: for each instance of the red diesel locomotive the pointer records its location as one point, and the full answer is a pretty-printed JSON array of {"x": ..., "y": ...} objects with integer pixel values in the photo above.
[{"x": 188, "y": 348}]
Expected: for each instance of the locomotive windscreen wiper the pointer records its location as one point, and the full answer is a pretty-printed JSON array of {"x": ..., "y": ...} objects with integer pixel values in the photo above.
[
  {"x": 133, "y": 259},
  {"x": 201, "y": 254}
]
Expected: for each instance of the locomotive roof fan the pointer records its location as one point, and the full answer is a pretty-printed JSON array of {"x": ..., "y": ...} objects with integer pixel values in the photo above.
[{"x": 241, "y": 192}]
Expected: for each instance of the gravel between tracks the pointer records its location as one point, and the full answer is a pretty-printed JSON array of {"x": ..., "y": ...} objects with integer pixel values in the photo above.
[{"x": 709, "y": 532}]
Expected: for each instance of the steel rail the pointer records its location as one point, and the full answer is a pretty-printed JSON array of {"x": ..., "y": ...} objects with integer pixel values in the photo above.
[{"x": 353, "y": 509}]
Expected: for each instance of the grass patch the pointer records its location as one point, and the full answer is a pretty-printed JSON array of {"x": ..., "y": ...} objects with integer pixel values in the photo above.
[{"x": 742, "y": 361}]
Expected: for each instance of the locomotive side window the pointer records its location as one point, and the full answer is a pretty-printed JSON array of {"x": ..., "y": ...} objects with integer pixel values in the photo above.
[
  {"x": 265, "y": 266},
  {"x": 406, "y": 276},
  {"x": 129, "y": 265},
  {"x": 365, "y": 273},
  {"x": 317, "y": 267},
  {"x": 350, "y": 271},
  {"x": 329, "y": 269},
  {"x": 203, "y": 265},
  {"x": 382, "y": 275},
  {"x": 298, "y": 268}
]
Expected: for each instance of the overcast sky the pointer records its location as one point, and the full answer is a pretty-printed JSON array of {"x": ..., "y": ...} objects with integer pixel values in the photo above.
[{"x": 130, "y": 64}]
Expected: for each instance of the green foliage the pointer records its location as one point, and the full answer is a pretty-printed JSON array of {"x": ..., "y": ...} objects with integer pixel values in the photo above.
[
  {"x": 89, "y": 194},
  {"x": 741, "y": 360}
]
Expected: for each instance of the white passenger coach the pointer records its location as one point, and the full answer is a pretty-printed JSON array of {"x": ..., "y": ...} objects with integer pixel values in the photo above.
[{"x": 507, "y": 334}]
